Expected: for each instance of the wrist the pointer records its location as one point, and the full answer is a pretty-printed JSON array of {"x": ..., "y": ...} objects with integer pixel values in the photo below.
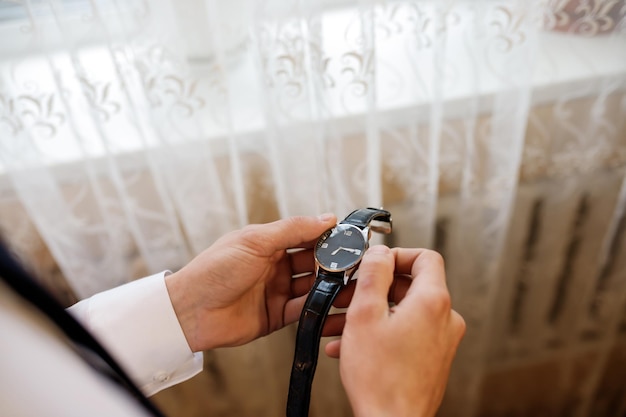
[{"x": 184, "y": 308}]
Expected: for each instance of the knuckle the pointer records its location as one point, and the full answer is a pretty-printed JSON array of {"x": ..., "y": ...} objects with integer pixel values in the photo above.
[
  {"x": 249, "y": 233},
  {"x": 295, "y": 221},
  {"x": 434, "y": 257},
  {"x": 459, "y": 324},
  {"x": 252, "y": 237},
  {"x": 438, "y": 302},
  {"x": 250, "y": 229}
]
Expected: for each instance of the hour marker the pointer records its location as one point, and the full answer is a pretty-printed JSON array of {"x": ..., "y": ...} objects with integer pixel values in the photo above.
[
  {"x": 324, "y": 245},
  {"x": 348, "y": 233},
  {"x": 357, "y": 251},
  {"x": 333, "y": 265}
]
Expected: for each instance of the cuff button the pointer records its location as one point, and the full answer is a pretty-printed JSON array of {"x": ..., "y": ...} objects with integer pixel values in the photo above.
[{"x": 161, "y": 377}]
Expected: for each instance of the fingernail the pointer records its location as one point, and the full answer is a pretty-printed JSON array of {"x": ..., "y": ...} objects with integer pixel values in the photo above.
[{"x": 326, "y": 217}]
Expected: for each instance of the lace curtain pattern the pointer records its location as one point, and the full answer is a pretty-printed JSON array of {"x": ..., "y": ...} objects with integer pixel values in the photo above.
[{"x": 135, "y": 133}]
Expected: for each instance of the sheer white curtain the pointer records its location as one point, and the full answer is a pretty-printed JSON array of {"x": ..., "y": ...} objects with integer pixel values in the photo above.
[{"x": 134, "y": 133}]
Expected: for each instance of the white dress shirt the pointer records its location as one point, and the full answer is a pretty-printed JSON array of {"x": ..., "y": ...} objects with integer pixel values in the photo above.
[{"x": 41, "y": 374}]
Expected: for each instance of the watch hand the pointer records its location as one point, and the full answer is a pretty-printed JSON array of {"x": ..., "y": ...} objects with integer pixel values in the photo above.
[{"x": 351, "y": 250}]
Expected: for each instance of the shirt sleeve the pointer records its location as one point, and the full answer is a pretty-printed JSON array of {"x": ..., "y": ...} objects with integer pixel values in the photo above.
[{"x": 136, "y": 322}]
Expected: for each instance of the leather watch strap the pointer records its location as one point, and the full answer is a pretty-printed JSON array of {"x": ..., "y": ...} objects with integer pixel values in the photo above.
[
  {"x": 363, "y": 217},
  {"x": 317, "y": 306}
]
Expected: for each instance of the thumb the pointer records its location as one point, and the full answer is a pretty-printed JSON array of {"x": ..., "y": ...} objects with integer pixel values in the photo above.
[
  {"x": 372, "y": 286},
  {"x": 292, "y": 232}
]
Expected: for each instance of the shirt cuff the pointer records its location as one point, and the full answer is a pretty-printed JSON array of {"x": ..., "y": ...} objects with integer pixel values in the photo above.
[{"x": 136, "y": 322}]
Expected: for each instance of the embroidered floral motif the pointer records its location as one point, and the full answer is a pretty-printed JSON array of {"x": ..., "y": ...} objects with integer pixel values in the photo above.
[
  {"x": 39, "y": 112},
  {"x": 98, "y": 94}
]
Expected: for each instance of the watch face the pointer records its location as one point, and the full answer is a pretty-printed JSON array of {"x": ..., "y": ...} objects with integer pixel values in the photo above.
[{"x": 340, "y": 248}]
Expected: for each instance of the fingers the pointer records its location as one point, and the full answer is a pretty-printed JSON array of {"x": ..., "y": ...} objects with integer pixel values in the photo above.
[
  {"x": 397, "y": 291},
  {"x": 301, "y": 286},
  {"x": 428, "y": 271},
  {"x": 333, "y": 348},
  {"x": 334, "y": 325},
  {"x": 292, "y": 310},
  {"x": 428, "y": 296},
  {"x": 293, "y": 232},
  {"x": 406, "y": 258},
  {"x": 301, "y": 261},
  {"x": 372, "y": 287}
]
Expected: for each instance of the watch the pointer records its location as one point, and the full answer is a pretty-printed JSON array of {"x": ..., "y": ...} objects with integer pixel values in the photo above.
[{"x": 337, "y": 253}]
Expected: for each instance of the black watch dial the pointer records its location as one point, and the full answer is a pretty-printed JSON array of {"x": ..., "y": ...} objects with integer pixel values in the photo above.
[{"x": 340, "y": 248}]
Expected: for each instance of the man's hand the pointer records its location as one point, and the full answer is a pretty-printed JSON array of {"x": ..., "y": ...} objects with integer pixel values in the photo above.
[
  {"x": 395, "y": 361},
  {"x": 240, "y": 288}
]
